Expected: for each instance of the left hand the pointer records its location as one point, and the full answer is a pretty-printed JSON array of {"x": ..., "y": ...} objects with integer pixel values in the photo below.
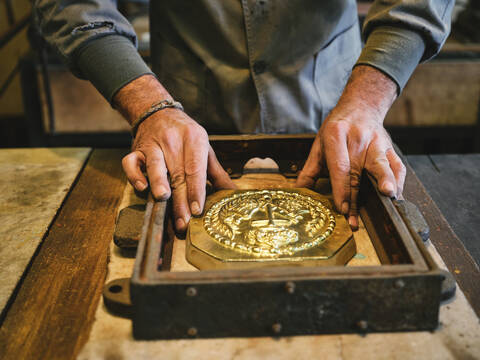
[{"x": 352, "y": 138}]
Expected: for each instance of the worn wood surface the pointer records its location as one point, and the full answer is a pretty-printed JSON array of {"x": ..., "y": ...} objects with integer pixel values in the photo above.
[
  {"x": 453, "y": 182},
  {"x": 55, "y": 306},
  {"x": 33, "y": 185},
  {"x": 457, "y": 259}
]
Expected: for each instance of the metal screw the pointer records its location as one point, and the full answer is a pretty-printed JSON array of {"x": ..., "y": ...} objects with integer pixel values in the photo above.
[
  {"x": 362, "y": 325},
  {"x": 290, "y": 287},
  {"x": 245, "y": 145},
  {"x": 399, "y": 284},
  {"x": 191, "y": 291},
  {"x": 277, "y": 328},
  {"x": 192, "y": 331},
  {"x": 229, "y": 171},
  {"x": 294, "y": 168}
]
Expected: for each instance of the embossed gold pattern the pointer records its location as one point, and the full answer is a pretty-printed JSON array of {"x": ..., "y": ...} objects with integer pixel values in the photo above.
[
  {"x": 268, "y": 227},
  {"x": 269, "y": 223}
]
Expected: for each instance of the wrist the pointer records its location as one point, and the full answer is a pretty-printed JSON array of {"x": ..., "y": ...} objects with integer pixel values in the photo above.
[
  {"x": 152, "y": 110},
  {"x": 369, "y": 91},
  {"x": 138, "y": 96}
]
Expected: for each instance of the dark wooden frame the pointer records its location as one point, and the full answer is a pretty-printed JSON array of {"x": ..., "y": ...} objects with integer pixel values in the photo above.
[{"x": 402, "y": 294}]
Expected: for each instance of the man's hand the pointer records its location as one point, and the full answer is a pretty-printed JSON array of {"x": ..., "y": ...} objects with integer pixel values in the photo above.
[
  {"x": 352, "y": 138},
  {"x": 169, "y": 142}
]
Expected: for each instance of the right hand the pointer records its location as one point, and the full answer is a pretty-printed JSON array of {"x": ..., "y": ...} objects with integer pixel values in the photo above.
[{"x": 169, "y": 141}]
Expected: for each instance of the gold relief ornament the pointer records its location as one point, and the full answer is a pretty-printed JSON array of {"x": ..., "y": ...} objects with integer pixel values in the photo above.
[
  {"x": 269, "y": 223},
  {"x": 256, "y": 228}
]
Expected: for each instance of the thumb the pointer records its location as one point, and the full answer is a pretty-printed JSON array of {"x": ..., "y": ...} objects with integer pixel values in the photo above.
[
  {"x": 313, "y": 166},
  {"x": 216, "y": 174},
  {"x": 132, "y": 165}
]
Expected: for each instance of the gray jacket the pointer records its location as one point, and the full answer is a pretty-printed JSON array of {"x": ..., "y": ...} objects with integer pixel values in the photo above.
[{"x": 273, "y": 66}]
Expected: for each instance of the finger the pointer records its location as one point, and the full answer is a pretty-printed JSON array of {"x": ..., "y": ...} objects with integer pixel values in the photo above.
[
  {"x": 313, "y": 166},
  {"x": 357, "y": 145},
  {"x": 338, "y": 163},
  {"x": 181, "y": 210},
  {"x": 377, "y": 164},
  {"x": 399, "y": 170},
  {"x": 157, "y": 174},
  {"x": 196, "y": 158},
  {"x": 173, "y": 152},
  {"x": 355, "y": 179},
  {"x": 132, "y": 165},
  {"x": 217, "y": 174}
]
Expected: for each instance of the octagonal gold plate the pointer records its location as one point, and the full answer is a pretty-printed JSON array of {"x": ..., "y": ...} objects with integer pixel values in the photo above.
[{"x": 270, "y": 227}]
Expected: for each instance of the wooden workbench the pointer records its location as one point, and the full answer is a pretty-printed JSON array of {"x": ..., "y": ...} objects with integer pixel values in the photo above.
[
  {"x": 51, "y": 311},
  {"x": 453, "y": 182}
]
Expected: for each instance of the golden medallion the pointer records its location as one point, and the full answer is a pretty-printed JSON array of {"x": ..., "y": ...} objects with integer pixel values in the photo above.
[
  {"x": 269, "y": 223},
  {"x": 248, "y": 228}
]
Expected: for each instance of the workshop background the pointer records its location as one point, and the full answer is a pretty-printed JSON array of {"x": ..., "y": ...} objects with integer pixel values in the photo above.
[{"x": 43, "y": 104}]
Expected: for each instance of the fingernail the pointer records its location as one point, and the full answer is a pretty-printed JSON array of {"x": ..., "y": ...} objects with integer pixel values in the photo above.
[
  {"x": 195, "y": 207},
  {"x": 388, "y": 186},
  {"x": 353, "y": 222},
  {"x": 345, "y": 207},
  {"x": 180, "y": 224},
  {"x": 140, "y": 186},
  {"x": 161, "y": 191}
]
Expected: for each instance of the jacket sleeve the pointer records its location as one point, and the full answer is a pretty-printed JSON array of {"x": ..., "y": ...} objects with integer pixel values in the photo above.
[
  {"x": 93, "y": 39},
  {"x": 401, "y": 33}
]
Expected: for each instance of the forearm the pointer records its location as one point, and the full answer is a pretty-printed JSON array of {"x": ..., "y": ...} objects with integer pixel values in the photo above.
[
  {"x": 400, "y": 33},
  {"x": 69, "y": 25},
  {"x": 136, "y": 97},
  {"x": 93, "y": 39}
]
